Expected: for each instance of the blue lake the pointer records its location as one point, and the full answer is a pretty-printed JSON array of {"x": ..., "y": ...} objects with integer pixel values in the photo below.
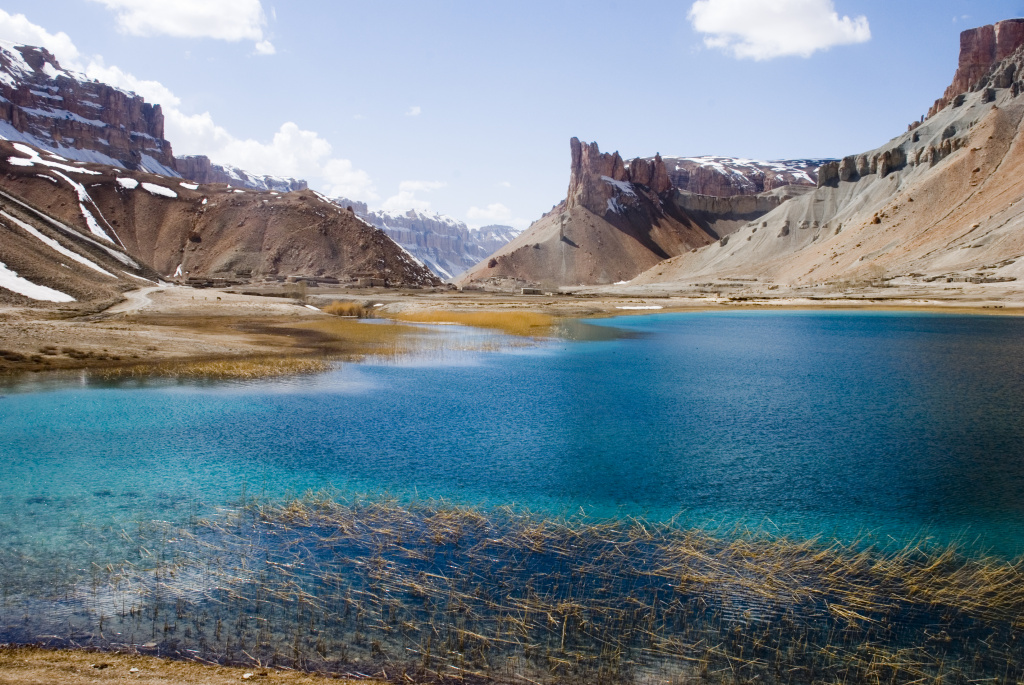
[{"x": 810, "y": 423}]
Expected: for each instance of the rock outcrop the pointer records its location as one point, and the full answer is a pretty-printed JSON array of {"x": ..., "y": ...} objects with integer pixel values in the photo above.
[
  {"x": 45, "y": 105},
  {"x": 200, "y": 169},
  {"x": 595, "y": 178},
  {"x": 981, "y": 49}
]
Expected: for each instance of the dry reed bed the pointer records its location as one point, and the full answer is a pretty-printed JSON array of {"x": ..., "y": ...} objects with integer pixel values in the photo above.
[
  {"x": 246, "y": 368},
  {"x": 430, "y": 591},
  {"x": 520, "y": 323}
]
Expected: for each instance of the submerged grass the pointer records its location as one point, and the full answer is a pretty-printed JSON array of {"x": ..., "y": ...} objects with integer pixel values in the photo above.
[
  {"x": 519, "y": 323},
  {"x": 432, "y": 591}
]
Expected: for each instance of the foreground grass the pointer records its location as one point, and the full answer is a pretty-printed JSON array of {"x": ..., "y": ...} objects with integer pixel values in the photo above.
[{"x": 430, "y": 591}]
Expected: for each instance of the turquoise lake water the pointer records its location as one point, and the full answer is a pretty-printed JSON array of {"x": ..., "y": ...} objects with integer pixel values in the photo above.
[
  {"x": 902, "y": 425},
  {"x": 129, "y": 520}
]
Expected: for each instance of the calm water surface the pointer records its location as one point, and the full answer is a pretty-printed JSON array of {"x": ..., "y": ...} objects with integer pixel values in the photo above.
[{"x": 815, "y": 423}]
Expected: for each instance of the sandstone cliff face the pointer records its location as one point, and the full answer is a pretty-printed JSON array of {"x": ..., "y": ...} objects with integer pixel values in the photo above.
[
  {"x": 45, "y": 105},
  {"x": 981, "y": 49},
  {"x": 595, "y": 178},
  {"x": 207, "y": 232},
  {"x": 200, "y": 169}
]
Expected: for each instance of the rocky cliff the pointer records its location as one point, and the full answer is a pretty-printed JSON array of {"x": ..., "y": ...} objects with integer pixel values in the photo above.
[
  {"x": 981, "y": 50},
  {"x": 200, "y": 169},
  {"x": 45, "y": 105}
]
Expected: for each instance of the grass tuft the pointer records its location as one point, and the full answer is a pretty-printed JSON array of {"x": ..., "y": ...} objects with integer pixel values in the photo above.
[{"x": 350, "y": 309}]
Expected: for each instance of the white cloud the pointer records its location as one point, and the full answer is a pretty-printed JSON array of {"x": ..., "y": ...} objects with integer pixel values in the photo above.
[
  {"x": 17, "y": 28},
  {"x": 492, "y": 213},
  {"x": 504, "y": 184},
  {"x": 414, "y": 111},
  {"x": 230, "y": 20},
  {"x": 496, "y": 213},
  {"x": 265, "y": 47},
  {"x": 407, "y": 199},
  {"x": 765, "y": 29},
  {"x": 292, "y": 151}
]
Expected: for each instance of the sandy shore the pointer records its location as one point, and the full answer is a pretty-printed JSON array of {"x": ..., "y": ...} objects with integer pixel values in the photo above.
[
  {"x": 162, "y": 325},
  {"x": 32, "y": 666}
]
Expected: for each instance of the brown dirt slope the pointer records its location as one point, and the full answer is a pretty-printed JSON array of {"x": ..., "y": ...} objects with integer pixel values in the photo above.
[
  {"x": 578, "y": 246},
  {"x": 64, "y": 259},
  {"x": 210, "y": 231},
  {"x": 953, "y": 211}
]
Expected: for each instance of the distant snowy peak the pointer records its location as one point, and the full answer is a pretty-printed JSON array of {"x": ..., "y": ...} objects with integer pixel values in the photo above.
[
  {"x": 414, "y": 217},
  {"x": 445, "y": 245},
  {"x": 47, "y": 106},
  {"x": 729, "y": 176}
]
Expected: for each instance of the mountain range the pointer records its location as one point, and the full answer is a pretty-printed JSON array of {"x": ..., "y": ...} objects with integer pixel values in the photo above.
[
  {"x": 939, "y": 202},
  {"x": 93, "y": 202}
]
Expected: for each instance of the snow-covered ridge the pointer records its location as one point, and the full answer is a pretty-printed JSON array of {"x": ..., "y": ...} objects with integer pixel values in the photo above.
[{"x": 727, "y": 176}]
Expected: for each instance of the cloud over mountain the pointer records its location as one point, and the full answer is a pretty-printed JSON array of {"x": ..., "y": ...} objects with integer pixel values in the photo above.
[
  {"x": 766, "y": 29},
  {"x": 230, "y": 20}
]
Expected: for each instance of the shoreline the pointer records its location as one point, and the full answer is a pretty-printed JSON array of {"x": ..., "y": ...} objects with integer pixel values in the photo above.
[
  {"x": 33, "y": 665},
  {"x": 162, "y": 331}
]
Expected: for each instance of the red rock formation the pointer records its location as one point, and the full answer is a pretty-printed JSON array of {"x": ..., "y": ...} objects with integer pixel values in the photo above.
[
  {"x": 56, "y": 108},
  {"x": 594, "y": 174},
  {"x": 980, "y": 50}
]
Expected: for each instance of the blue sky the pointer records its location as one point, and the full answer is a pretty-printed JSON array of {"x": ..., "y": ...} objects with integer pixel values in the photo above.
[{"x": 466, "y": 107}]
